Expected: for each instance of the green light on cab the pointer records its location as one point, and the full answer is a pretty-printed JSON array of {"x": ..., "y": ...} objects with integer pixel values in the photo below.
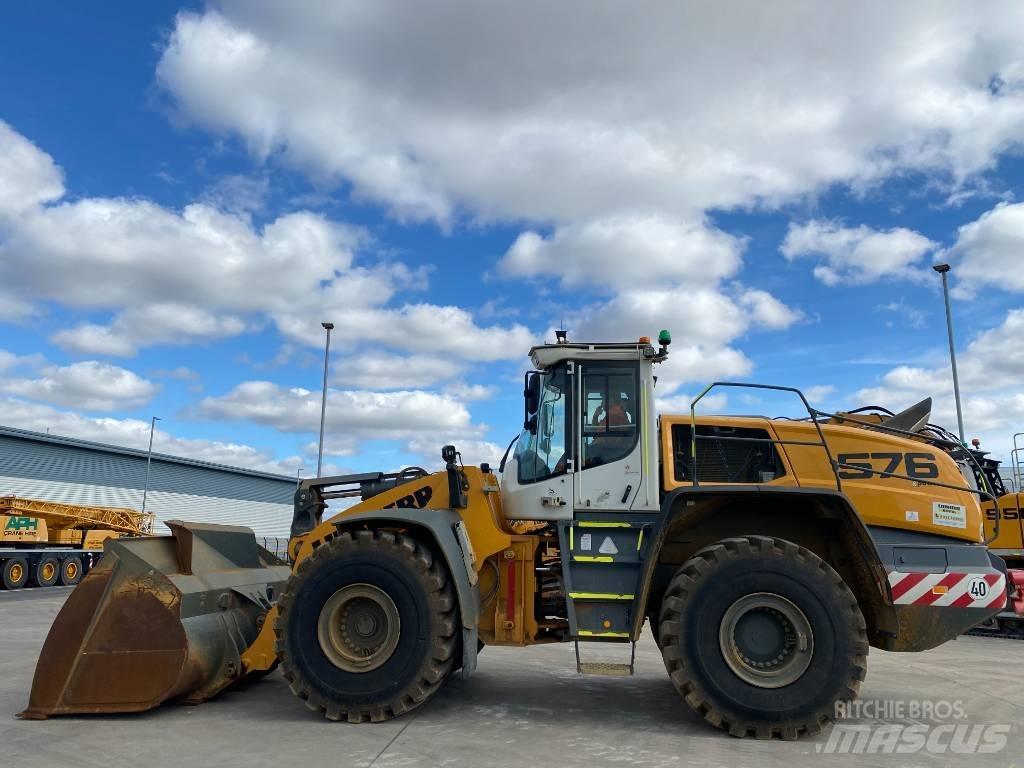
[{"x": 664, "y": 338}]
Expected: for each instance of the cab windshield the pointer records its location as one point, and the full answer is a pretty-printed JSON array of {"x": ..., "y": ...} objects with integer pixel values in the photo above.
[{"x": 541, "y": 454}]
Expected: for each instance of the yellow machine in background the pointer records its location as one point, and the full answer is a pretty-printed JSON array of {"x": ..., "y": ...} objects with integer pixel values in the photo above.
[
  {"x": 765, "y": 554},
  {"x": 1004, "y": 525},
  {"x": 45, "y": 543}
]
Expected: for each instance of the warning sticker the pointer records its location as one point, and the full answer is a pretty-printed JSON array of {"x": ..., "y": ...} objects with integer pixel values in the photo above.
[
  {"x": 586, "y": 542},
  {"x": 608, "y": 547},
  {"x": 949, "y": 515}
]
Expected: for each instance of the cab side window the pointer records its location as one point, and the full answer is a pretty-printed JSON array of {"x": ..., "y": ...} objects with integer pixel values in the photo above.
[
  {"x": 610, "y": 417},
  {"x": 541, "y": 454}
]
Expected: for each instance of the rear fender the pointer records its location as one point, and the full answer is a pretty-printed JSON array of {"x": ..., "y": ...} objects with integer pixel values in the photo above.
[{"x": 869, "y": 574}]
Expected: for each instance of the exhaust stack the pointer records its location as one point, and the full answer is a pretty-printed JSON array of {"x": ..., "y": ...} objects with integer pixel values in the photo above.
[{"x": 158, "y": 619}]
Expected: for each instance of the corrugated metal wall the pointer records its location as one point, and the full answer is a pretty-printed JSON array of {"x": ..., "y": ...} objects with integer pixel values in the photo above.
[{"x": 82, "y": 475}]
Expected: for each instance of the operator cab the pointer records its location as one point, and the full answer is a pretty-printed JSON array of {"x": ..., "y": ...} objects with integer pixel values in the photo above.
[{"x": 589, "y": 438}]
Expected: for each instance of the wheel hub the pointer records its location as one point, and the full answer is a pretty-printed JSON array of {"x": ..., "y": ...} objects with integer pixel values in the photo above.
[
  {"x": 766, "y": 640},
  {"x": 358, "y": 628}
]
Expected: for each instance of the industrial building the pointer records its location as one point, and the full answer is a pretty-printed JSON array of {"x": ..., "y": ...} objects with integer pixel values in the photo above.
[{"x": 54, "y": 468}]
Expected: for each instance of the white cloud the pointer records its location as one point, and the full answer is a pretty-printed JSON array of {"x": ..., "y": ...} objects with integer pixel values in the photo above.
[
  {"x": 703, "y": 322},
  {"x": 818, "y": 393},
  {"x": 204, "y": 272},
  {"x": 990, "y": 251},
  {"x": 87, "y": 385},
  {"x": 134, "y": 433},
  {"x": 351, "y": 415},
  {"x": 767, "y": 311},
  {"x": 9, "y": 360},
  {"x": 990, "y": 368},
  {"x": 28, "y": 176},
  {"x": 857, "y": 254},
  {"x": 416, "y": 328},
  {"x": 170, "y": 324},
  {"x": 473, "y": 451},
  {"x": 379, "y": 370},
  {"x": 613, "y": 251},
  {"x": 430, "y": 110},
  {"x": 613, "y": 166},
  {"x": 715, "y": 402},
  {"x": 468, "y": 392}
]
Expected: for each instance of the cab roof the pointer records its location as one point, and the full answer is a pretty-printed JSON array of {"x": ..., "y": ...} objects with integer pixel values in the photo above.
[{"x": 546, "y": 355}]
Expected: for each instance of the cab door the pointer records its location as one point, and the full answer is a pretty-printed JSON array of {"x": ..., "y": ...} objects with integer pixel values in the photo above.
[
  {"x": 537, "y": 483},
  {"x": 608, "y": 427}
]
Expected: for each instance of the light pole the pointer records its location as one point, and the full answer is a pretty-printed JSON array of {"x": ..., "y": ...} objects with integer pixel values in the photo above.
[
  {"x": 943, "y": 269},
  {"x": 149, "y": 461},
  {"x": 323, "y": 399}
]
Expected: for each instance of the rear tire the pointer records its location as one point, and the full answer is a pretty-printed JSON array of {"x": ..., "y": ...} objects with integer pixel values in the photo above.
[
  {"x": 367, "y": 626},
  {"x": 71, "y": 571},
  {"x": 46, "y": 573},
  {"x": 15, "y": 573},
  {"x": 762, "y": 637}
]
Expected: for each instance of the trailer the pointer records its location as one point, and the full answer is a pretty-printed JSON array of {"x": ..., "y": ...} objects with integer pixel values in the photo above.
[{"x": 47, "y": 543}]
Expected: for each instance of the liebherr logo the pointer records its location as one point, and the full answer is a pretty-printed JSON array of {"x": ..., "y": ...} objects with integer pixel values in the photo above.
[{"x": 418, "y": 499}]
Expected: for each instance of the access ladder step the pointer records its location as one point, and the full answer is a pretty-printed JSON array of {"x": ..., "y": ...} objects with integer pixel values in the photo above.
[{"x": 604, "y": 668}]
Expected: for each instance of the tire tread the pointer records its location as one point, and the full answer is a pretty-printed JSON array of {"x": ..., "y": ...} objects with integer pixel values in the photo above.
[
  {"x": 431, "y": 574},
  {"x": 702, "y": 565}
]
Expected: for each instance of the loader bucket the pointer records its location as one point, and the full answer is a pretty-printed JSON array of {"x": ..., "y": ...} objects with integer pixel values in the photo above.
[{"x": 159, "y": 618}]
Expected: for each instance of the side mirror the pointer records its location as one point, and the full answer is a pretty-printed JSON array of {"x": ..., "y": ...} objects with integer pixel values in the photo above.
[{"x": 531, "y": 398}]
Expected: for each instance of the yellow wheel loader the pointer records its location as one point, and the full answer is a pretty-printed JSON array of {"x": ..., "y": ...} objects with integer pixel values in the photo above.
[
  {"x": 766, "y": 555},
  {"x": 1004, "y": 523}
]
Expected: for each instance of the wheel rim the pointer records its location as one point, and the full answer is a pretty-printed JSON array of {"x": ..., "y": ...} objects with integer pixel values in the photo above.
[
  {"x": 766, "y": 640},
  {"x": 48, "y": 571},
  {"x": 17, "y": 573},
  {"x": 70, "y": 571},
  {"x": 358, "y": 628}
]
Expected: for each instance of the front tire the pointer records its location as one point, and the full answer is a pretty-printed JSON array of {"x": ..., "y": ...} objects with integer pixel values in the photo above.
[
  {"x": 367, "y": 626},
  {"x": 762, "y": 637}
]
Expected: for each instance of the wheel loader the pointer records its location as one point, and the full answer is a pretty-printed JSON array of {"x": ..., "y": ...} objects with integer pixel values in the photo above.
[
  {"x": 766, "y": 555},
  {"x": 1005, "y": 526}
]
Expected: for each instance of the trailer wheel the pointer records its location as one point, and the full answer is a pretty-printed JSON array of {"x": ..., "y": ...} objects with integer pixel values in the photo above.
[
  {"x": 367, "y": 626},
  {"x": 46, "y": 572},
  {"x": 762, "y": 637},
  {"x": 15, "y": 573},
  {"x": 71, "y": 571}
]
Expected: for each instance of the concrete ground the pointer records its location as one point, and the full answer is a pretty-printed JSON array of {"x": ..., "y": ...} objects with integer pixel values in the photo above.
[{"x": 524, "y": 708}]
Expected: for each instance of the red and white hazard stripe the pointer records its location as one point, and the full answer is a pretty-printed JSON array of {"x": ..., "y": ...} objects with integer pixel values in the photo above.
[{"x": 954, "y": 590}]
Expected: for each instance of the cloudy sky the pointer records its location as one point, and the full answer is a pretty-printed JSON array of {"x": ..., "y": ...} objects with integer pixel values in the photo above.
[{"x": 187, "y": 191}]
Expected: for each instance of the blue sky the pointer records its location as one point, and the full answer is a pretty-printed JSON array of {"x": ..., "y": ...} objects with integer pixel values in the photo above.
[{"x": 187, "y": 190}]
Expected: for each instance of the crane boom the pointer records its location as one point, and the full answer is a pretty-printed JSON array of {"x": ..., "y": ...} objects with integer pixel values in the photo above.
[{"x": 58, "y": 515}]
